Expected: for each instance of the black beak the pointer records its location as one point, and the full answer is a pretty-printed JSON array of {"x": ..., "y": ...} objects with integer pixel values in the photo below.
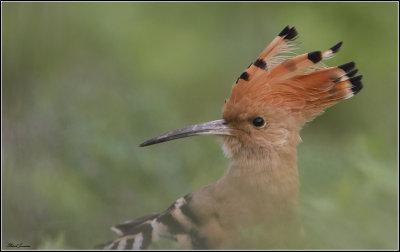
[{"x": 217, "y": 127}]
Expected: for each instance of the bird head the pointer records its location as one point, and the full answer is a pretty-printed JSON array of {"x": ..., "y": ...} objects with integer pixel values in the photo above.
[{"x": 274, "y": 97}]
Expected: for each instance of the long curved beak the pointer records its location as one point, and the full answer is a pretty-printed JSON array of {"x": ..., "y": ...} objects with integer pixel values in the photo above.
[{"x": 217, "y": 127}]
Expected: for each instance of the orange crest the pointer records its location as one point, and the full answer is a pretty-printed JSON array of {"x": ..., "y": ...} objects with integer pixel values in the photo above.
[{"x": 301, "y": 86}]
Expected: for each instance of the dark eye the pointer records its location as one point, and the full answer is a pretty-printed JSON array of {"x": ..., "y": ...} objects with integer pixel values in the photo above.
[{"x": 258, "y": 122}]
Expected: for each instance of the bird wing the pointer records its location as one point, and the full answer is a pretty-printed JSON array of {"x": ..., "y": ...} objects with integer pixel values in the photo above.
[{"x": 178, "y": 223}]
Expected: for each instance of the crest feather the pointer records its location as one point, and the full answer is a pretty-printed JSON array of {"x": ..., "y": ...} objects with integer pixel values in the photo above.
[{"x": 301, "y": 84}]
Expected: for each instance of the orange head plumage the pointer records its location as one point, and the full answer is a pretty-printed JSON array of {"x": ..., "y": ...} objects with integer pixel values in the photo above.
[{"x": 275, "y": 96}]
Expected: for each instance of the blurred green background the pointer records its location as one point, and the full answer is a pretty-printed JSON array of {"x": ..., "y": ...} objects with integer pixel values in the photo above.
[{"x": 85, "y": 83}]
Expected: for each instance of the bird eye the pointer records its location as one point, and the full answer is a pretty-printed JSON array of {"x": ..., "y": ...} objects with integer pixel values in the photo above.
[{"x": 258, "y": 122}]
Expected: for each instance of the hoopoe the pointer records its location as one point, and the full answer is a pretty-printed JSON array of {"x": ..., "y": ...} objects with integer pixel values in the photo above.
[{"x": 269, "y": 104}]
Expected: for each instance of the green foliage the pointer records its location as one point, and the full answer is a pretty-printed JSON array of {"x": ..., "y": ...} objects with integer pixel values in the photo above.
[{"x": 85, "y": 83}]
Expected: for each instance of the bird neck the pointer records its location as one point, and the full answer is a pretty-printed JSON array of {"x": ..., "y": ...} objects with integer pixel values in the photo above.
[
  {"x": 263, "y": 188},
  {"x": 271, "y": 170}
]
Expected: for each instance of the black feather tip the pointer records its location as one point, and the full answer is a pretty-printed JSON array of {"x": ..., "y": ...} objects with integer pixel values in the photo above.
[
  {"x": 357, "y": 84},
  {"x": 260, "y": 63},
  {"x": 292, "y": 33},
  {"x": 244, "y": 76},
  {"x": 348, "y": 66},
  {"x": 284, "y": 31},
  {"x": 315, "y": 57},
  {"x": 352, "y": 73},
  {"x": 336, "y": 47}
]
